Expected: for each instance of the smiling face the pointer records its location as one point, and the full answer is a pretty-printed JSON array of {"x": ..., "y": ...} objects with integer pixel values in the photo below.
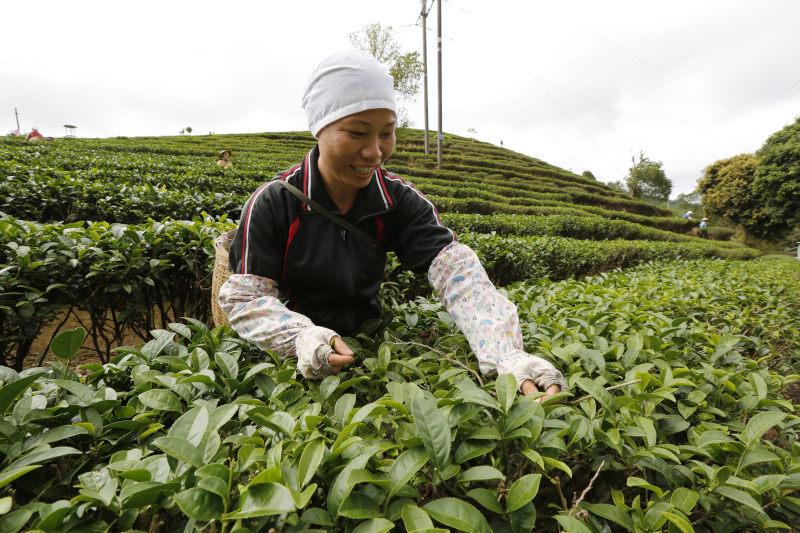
[{"x": 351, "y": 148}]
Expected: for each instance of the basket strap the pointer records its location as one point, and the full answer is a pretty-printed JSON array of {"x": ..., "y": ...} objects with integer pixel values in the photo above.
[{"x": 297, "y": 193}]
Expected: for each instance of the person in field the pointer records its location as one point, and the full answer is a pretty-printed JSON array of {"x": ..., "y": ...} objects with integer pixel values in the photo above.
[
  {"x": 224, "y": 159},
  {"x": 34, "y": 135},
  {"x": 286, "y": 251},
  {"x": 703, "y": 228}
]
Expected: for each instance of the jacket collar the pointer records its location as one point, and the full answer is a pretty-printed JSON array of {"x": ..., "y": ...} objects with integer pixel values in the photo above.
[{"x": 374, "y": 199}]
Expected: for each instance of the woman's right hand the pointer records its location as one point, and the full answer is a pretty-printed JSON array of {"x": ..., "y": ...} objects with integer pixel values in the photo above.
[{"x": 342, "y": 355}]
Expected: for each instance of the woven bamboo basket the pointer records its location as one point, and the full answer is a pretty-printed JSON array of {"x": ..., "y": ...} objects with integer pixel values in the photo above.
[{"x": 221, "y": 274}]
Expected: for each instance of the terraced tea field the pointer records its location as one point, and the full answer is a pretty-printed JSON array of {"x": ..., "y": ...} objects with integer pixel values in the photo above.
[{"x": 681, "y": 355}]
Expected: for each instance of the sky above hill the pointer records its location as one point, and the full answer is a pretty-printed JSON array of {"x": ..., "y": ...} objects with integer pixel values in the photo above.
[{"x": 584, "y": 85}]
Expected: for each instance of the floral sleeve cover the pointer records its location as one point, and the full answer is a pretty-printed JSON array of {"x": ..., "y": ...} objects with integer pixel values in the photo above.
[
  {"x": 488, "y": 320},
  {"x": 256, "y": 313}
]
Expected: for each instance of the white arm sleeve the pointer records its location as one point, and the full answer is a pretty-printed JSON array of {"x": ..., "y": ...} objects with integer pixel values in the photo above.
[
  {"x": 488, "y": 320},
  {"x": 256, "y": 313}
]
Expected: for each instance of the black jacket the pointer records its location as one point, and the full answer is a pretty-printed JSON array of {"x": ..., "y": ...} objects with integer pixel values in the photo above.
[{"x": 325, "y": 273}]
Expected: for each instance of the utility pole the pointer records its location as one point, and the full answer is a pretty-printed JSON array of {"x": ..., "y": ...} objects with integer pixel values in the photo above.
[
  {"x": 424, "y": 15},
  {"x": 16, "y": 115},
  {"x": 439, "y": 54}
]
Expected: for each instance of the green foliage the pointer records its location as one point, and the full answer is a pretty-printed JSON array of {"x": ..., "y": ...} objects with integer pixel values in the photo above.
[
  {"x": 125, "y": 278},
  {"x": 777, "y": 181},
  {"x": 509, "y": 259},
  {"x": 762, "y": 191},
  {"x": 405, "y": 67},
  {"x": 134, "y": 278},
  {"x": 727, "y": 190},
  {"x": 646, "y": 179},
  {"x": 584, "y": 227},
  {"x": 674, "y": 418},
  {"x": 618, "y": 185},
  {"x": 131, "y": 180}
]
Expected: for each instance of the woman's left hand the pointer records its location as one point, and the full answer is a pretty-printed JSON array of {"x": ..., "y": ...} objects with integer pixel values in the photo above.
[{"x": 528, "y": 388}]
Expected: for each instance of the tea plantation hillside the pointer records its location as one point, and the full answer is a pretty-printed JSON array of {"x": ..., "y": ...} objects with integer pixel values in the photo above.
[
  {"x": 130, "y": 180},
  {"x": 681, "y": 356},
  {"x": 525, "y": 218}
]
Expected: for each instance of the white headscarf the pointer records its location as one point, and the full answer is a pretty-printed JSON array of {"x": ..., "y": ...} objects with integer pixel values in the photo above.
[{"x": 345, "y": 83}]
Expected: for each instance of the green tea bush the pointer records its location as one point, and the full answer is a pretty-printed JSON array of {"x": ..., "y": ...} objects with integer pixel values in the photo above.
[
  {"x": 720, "y": 233},
  {"x": 124, "y": 278},
  {"x": 510, "y": 259},
  {"x": 673, "y": 422},
  {"x": 584, "y": 227},
  {"x": 129, "y": 180},
  {"x": 130, "y": 278}
]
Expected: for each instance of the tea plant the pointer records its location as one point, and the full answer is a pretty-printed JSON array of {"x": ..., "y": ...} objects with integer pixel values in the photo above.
[{"x": 673, "y": 421}]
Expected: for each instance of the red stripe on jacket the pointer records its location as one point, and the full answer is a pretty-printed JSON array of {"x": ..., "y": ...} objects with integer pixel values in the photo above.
[{"x": 292, "y": 232}]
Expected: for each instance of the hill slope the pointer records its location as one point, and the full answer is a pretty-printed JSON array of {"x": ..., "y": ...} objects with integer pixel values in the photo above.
[{"x": 475, "y": 178}]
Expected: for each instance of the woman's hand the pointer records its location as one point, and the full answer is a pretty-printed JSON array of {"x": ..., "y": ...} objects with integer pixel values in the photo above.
[
  {"x": 528, "y": 388},
  {"x": 342, "y": 355}
]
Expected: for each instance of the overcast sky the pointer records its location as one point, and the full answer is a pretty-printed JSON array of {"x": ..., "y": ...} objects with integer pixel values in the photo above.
[{"x": 580, "y": 84}]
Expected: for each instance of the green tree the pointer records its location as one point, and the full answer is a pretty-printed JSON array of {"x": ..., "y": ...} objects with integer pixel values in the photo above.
[
  {"x": 588, "y": 174},
  {"x": 689, "y": 198},
  {"x": 762, "y": 191},
  {"x": 777, "y": 183},
  {"x": 618, "y": 185},
  {"x": 405, "y": 67},
  {"x": 646, "y": 179},
  {"x": 726, "y": 189}
]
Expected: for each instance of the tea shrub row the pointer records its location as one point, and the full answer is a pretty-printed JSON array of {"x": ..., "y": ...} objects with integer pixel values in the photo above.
[
  {"x": 173, "y": 164},
  {"x": 130, "y": 278},
  {"x": 577, "y": 227},
  {"x": 673, "y": 421}
]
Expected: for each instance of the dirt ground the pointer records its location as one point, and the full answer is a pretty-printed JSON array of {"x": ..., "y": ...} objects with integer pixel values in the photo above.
[
  {"x": 87, "y": 354},
  {"x": 792, "y": 393}
]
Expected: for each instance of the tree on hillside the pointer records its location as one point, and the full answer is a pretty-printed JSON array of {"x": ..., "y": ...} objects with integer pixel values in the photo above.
[
  {"x": 777, "y": 182},
  {"x": 762, "y": 191},
  {"x": 588, "y": 174},
  {"x": 405, "y": 67},
  {"x": 646, "y": 179},
  {"x": 726, "y": 189},
  {"x": 689, "y": 198},
  {"x": 189, "y": 130},
  {"x": 619, "y": 185}
]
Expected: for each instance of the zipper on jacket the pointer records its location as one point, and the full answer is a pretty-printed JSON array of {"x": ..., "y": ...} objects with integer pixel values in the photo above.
[{"x": 350, "y": 282}]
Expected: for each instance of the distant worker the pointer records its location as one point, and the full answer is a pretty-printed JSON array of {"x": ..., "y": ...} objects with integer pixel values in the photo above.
[
  {"x": 34, "y": 135},
  {"x": 224, "y": 160},
  {"x": 688, "y": 215},
  {"x": 704, "y": 228}
]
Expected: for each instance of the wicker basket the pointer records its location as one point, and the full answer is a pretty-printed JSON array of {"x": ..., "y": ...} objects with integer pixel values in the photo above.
[{"x": 222, "y": 272}]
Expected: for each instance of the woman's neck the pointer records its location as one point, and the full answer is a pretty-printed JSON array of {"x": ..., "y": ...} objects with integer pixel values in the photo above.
[{"x": 343, "y": 197}]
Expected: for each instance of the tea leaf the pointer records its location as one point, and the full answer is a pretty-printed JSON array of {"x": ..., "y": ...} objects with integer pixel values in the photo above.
[
  {"x": 433, "y": 430},
  {"x": 522, "y": 491},
  {"x": 457, "y": 514}
]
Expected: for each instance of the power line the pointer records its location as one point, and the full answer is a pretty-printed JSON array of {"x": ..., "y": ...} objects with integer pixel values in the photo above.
[
  {"x": 788, "y": 92},
  {"x": 659, "y": 69},
  {"x": 573, "y": 120},
  {"x": 581, "y": 96},
  {"x": 612, "y": 81},
  {"x": 539, "y": 125},
  {"x": 459, "y": 8}
]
